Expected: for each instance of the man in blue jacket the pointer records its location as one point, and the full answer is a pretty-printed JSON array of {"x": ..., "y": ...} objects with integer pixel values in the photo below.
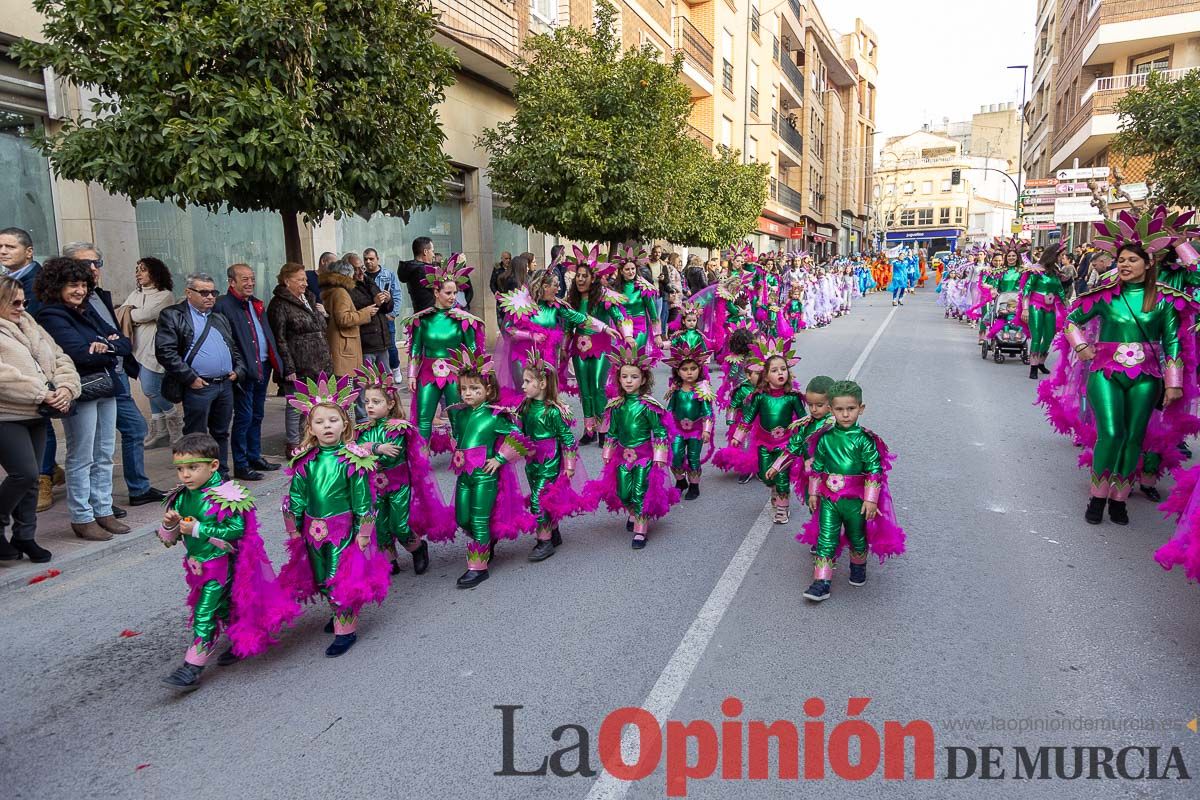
[{"x": 254, "y": 340}]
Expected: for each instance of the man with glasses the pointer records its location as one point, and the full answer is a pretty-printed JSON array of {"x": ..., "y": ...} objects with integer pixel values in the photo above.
[
  {"x": 387, "y": 281},
  {"x": 196, "y": 348},
  {"x": 130, "y": 422}
]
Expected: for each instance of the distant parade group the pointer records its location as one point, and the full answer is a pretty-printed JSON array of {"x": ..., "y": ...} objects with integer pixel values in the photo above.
[{"x": 1117, "y": 372}]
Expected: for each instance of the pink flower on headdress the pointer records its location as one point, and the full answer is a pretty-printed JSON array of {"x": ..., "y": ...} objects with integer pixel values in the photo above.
[
  {"x": 194, "y": 566},
  {"x": 318, "y": 530},
  {"x": 629, "y": 455},
  {"x": 835, "y": 482},
  {"x": 1130, "y": 354},
  {"x": 459, "y": 459},
  {"x": 583, "y": 344},
  {"x": 441, "y": 368}
]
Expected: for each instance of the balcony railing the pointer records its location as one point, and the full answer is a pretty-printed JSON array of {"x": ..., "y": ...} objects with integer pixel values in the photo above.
[
  {"x": 1123, "y": 83},
  {"x": 727, "y": 75},
  {"x": 697, "y": 50},
  {"x": 790, "y": 136},
  {"x": 793, "y": 75},
  {"x": 700, "y": 136},
  {"x": 1102, "y": 98},
  {"x": 789, "y": 197}
]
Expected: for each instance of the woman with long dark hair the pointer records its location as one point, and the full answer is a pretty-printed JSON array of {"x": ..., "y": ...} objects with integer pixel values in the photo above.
[
  {"x": 589, "y": 351},
  {"x": 1043, "y": 302}
]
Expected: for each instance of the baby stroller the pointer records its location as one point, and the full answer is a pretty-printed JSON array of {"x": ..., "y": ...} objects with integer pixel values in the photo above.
[{"x": 1005, "y": 337}]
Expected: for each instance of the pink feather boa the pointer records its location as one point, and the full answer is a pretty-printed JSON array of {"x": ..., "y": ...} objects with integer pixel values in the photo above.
[
  {"x": 260, "y": 604},
  {"x": 429, "y": 513},
  {"x": 510, "y": 515},
  {"x": 660, "y": 496},
  {"x": 1184, "y": 504},
  {"x": 568, "y": 497}
]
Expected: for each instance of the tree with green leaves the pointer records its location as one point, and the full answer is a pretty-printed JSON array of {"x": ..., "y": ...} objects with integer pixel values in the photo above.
[
  {"x": 597, "y": 150},
  {"x": 309, "y": 107},
  {"x": 722, "y": 198},
  {"x": 1159, "y": 121}
]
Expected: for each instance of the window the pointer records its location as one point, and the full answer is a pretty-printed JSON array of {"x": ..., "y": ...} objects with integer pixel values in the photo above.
[
  {"x": 891, "y": 188},
  {"x": 946, "y": 185},
  {"x": 755, "y": 19},
  {"x": 925, "y": 216},
  {"x": 909, "y": 188},
  {"x": 943, "y": 216},
  {"x": 727, "y": 131},
  {"x": 727, "y": 60},
  {"x": 26, "y": 201},
  {"x": 1156, "y": 63},
  {"x": 752, "y": 149},
  {"x": 926, "y": 187},
  {"x": 907, "y": 218},
  {"x": 958, "y": 216},
  {"x": 647, "y": 39},
  {"x": 544, "y": 10}
]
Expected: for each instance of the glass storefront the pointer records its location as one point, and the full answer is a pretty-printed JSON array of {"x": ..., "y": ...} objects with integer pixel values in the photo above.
[
  {"x": 507, "y": 237},
  {"x": 25, "y": 197},
  {"x": 195, "y": 240}
]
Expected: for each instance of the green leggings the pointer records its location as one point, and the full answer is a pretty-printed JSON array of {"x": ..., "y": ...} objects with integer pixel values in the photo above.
[
  {"x": 212, "y": 609},
  {"x": 1042, "y": 327},
  {"x": 474, "y": 499},
  {"x": 540, "y": 474},
  {"x": 685, "y": 454},
  {"x": 782, "y": 483},
  {"x": 1122, "y": 407},
  {"x": 592, "y": 374},
  {"x": 833, "y": 517},
  {"x": 392, "y": 521},
  {"x": 631, "y": 487},
  {"x": 428, "y": 397}
]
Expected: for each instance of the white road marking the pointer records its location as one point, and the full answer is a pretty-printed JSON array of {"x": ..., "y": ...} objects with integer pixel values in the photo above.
[{"x": 678, "y": 671}]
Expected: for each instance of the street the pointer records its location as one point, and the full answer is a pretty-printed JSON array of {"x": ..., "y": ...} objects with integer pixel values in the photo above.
[{"x": 1006, "y": 606}]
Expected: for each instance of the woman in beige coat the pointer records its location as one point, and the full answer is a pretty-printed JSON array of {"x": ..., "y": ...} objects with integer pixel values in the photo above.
[
  {"x": 36, "y": 378},
  {"x": 345, "y": 339},
  {"x": 144, "y": 304}
]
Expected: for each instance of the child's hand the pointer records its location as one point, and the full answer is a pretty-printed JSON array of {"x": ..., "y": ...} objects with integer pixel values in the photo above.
[
  {"x": 870, "y": 510},
  {"x": 389, "y": 450},
  {"x": 186, "y": 526},
  {"x": 771, "y": 473},
  {"x": 813, "y": 503},
  {"x": 364, "y": 541},
  {"x": 491, "y": 466},
  {"x": 171, "y": 518}
]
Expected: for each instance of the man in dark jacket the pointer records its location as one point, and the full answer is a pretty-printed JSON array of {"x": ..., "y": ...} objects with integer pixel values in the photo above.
[
  {"x": 208, "y": 374},
  {"x": 412, "y": 274},
  {"x": 254, "y": 340}
]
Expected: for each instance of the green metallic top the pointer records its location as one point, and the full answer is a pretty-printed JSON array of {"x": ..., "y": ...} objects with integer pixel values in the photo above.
[
  {"x": 635, "y": 420},
  {"x": 1043, "y": 283},
  {"x": 847, "y": 451},
  {"x": 1180, "y": 278},
  {"x": 555, "y": 315},
  {"x": 802, "y": 429},
  {"x": 692, "y": 404},
  {"x": 197, "y": 504},
  {"x": 692, "y": 338},
  {"x": 542, "y": 420},
  {"x": 609, "y": 313},
  {"x": 385, "y": 431},
  {"x": 437, "y": 332},
  {"x": 638, "y": 301},
  {"x": 1009, "y": 280},
  {"x": 483, "y": 426},
  {"x": 1120, "y": 318},
  {"x": 773, "y": 410},
  {"x": 325, "y": 486},
  {"x": 740, "y": 394}
]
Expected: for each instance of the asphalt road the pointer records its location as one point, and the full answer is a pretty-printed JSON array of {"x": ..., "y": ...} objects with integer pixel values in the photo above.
[{"x": 1006, "y": 606}]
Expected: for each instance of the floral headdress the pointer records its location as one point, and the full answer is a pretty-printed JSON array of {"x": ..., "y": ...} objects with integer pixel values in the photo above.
[
  {"x": 455, "y": 269},
  {"x": 630, "y": 357},
  {"x": 624, "y": 255},
  {"x": 370, "y": 376},
  {"x": 463, "y": 360},
  {"x": 1014, "y": 244},
  {"x": 761, "y": 354},
  {"x": 324, "y": 391},
  {"x": 683, "y": 351},
  {"x": 584, "y": 258},
  {"x": 518, "y": 303},
  {"x": 1154, "y": 230},
  {"x": 743, "y": 250},
  {"x": 605, "y": 269},
  {"x": 536, "y": 364}
]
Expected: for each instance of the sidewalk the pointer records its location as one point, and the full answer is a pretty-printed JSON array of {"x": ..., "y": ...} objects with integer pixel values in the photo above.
[{"x": 54, "y": 528}]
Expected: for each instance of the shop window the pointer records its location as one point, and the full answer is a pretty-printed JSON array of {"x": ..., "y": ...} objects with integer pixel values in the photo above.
[{"x": 25, "y": 197}]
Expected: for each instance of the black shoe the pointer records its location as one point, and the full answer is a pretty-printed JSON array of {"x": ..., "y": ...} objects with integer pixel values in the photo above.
[
  {"x": 818, "y": 591},
  {"x": 7, "y": 551},
  {"x": 119, "y": 512},
  {"x": 1095, "y": 511},
  {"x": 151, "y": 495},
  {"x": 556, "y": 537},
  {"x": 247, "y": 475},
  {"x": 746, "y": 478},
  {"x": 1117, "y": 512},
  {"x": 681, "y": 484},
  {"x": 858, "y": 574},
  {"x": 1033, "y": 373},
  {"x": 629, "y": 525},
  {"x": 587, "y": 439},
  {"x": 1042, "y": 369},
  {"x": 472, "y": 577},
  {"x": 264, "y": 465},
  {"x": 693, "y": 491},
  {"x": 227, "y": 658},
  {"x": 340, "y": 645},
  {"x": 395, "y": 567},
  {"x": 812, "y": 550},
  {"x": 1151, "y": 492},
  {"x": 541, "y": 551},
  {"x": 420, "y": 558},
  {"x": 639, "y": 544},
  {"x": 329, "y": 626},
  {"x": 37, "y": 554},
  {"x": 186, "y": 677}
]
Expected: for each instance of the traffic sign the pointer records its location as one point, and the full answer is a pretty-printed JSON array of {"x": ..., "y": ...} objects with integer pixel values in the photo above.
[
  {"x": 1079, "y": 188},
  {"x": 1038, "y": 183},
  {"x": 1037, "y": 217},
  {"x": 1082, "y": 174},
  {"x": 1039, "y": 226},
  {"x": 1075, "y": 209}
]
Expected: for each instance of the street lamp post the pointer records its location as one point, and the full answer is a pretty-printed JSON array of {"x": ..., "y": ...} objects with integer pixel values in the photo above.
[{"x": 1021, "y": 142}]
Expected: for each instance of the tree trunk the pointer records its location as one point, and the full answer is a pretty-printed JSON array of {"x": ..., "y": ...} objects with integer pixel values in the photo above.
[{"x": 291, "y": 237}]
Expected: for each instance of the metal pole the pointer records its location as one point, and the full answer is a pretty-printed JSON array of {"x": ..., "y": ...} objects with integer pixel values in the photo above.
[{"x": 1021, "y": 142}]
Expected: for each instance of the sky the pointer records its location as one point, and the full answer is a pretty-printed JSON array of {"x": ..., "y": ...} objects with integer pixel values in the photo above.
[{"x": 940, "y": 59}]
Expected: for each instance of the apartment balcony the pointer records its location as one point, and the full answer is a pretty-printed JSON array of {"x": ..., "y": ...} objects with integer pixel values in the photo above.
[
  {"x": 1122, "y": 29},
  {"x": 793, "y": 79},
  {"x": 697, "y": 58},
  {"x": 789, "y": 198},
  {"x": 793, "y": 142},
  {"x": 1093, "y": 125},
  {"x": 700, "y": 136}
]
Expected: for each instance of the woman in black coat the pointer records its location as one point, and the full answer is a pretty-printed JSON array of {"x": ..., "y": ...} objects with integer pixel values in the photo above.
[{"x": 299, "y": 327}]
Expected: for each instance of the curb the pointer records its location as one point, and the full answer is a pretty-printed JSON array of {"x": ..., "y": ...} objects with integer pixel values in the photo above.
[{"x": 114, "y": 546}]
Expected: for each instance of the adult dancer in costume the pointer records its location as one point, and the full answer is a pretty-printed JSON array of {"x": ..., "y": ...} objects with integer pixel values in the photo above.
[
  {"x": 433, "y": 334},
  {"x": 641, "y": 302},
  {"x": 589, "y": 352},
  {"x": 1042, "y": 305}
]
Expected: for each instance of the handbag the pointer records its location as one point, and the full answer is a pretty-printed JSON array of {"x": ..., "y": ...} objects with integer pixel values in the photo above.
[
  {"x": 172, "y": 389},
  {"x": 47, "y": 411},
  {"x": 96, "y": 386}
]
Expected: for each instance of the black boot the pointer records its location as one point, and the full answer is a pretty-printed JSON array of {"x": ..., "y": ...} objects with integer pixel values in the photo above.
[
  {"x": 329, "y": 626},
  {"x": 639, "y": 543},
  {"x": 556, "y": 537},
  {"x": 542, "y": 550},
  {"x": 472, "y": 577},
  {"x": 420, "y": 558},
  {"x": 1033, "y": 372},
  {"x": 395, "y": 567},
  {"x": 681, "y": 484},
  {"x": 1117, "y": 512},
  {"x": 227, "y": 658},
  {"x": 1042, "y": 369},
  {"x": 1151, "y": 492},
  {"x": 341, "y": 643},
  {"x": 186, "y": 677},
  {"x": 817, "y": 591},
  {"x": 858, "y": 574},
  {"x": 1095, "y": 511},
  {"x": 587, "y": 438},
  {"x": 7, "y": 551},
  {"x": 693, "y": 491}
]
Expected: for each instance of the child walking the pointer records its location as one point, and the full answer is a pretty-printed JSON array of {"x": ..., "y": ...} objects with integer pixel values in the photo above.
[{"x": 689, "y": 402}]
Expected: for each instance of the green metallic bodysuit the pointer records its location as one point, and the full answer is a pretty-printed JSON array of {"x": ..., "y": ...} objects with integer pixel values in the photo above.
[
  {"x": 797, "y": 445},
  {"x": 554, "y": 450},
  {"x": 641, "y": 308},
  {"x": 1127, "y": 374},
  {"x": 636, "y": 436},
  {"x": 434, "y": 334},
  {"x": 692, "y": 413},
  {"x": 1042, "y": 294},
  {"x": 588, "y": 355},
  {"x": 692, "y": 338},
  {"x": 774, "y": 411},
  {"x": 392, "y": 506},
  {"x": 480, "y": 433},
  {"x": 842, "y": 453},
  {"x": 1009, "y": 280}
]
